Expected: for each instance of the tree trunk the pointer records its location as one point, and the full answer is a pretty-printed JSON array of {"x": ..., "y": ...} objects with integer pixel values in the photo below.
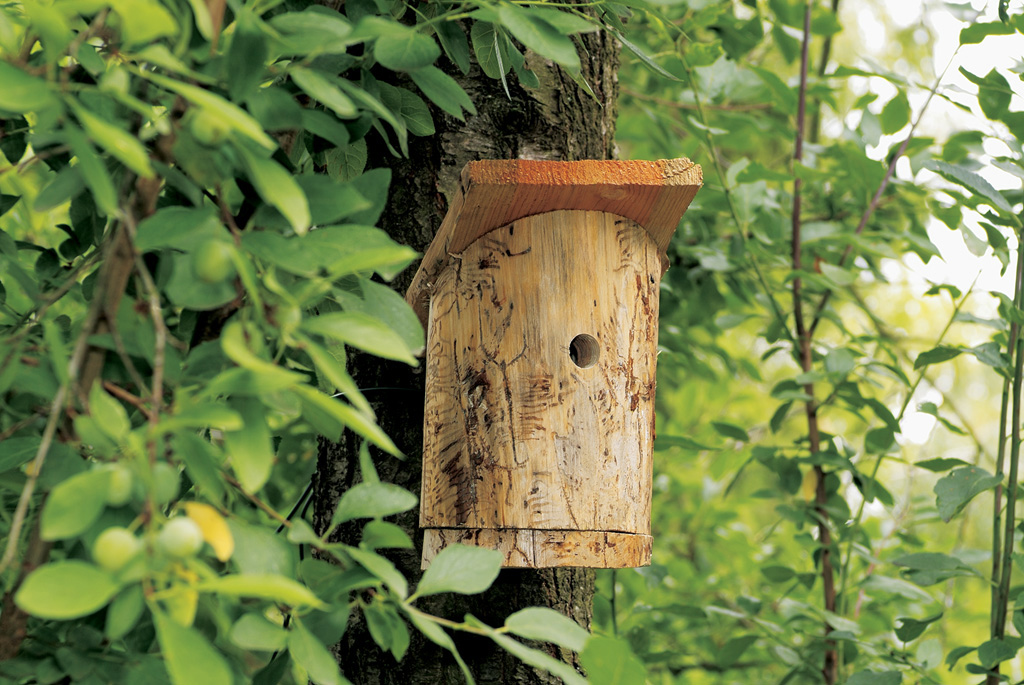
[{"x": 557, "y": 121}]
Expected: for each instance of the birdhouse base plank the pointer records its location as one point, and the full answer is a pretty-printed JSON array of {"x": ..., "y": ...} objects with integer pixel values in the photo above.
[{"x": 546, "y": 548}]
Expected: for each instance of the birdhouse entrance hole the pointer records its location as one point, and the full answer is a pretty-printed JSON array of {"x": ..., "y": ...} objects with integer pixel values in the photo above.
[
  {"x": 584, "y": 350},
  {"x": 540, "y": 270}
]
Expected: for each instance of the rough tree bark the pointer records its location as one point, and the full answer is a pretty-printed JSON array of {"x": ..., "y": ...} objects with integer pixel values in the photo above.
[{"x": 557, "y": 121}]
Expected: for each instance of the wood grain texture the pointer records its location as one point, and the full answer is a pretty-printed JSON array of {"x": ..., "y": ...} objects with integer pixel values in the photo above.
[
  {"x": 495, "y": 193},
  {"x": 546, "y": 548},
  {"x": 517, "y": 435}
]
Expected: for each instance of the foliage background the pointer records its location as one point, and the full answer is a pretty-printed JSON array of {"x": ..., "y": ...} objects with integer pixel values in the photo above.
[{"x": 213, "y": 392}]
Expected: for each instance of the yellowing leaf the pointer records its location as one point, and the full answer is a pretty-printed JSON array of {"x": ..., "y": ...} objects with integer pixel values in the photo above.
[
  {"x": 215, "y": 529},
  {"x": 809, "y": 486}
]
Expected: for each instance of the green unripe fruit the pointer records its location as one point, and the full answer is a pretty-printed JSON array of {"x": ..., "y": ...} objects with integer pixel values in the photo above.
[
  {"x": 114, "y": 548},
  {"x": 207, "y": 129},
  {"x": 180, "y": 538},
  {"x": 119, "y": 492},
  {"x": 212, "y": 263},
  {"x": 166, "y": 481}
]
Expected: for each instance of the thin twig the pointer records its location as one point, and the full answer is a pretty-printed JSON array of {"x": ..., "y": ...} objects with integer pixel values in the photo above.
[
  {"x": 999, "y": 613},
  {"x": 260, "y": 504},
  {"x": 49, "y": 431},
  {"x": 877, "y": 197},
  {"x": 804, "y": 335}
]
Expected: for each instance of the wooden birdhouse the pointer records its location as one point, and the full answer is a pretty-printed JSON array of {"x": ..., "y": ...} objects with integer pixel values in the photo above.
[{"x": 539, "y": 295}]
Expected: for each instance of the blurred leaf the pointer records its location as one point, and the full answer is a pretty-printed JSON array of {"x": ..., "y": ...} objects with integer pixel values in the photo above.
[
  {"x": 547, "y": 625},
  {"x": 610, "y": 661},
  {"x": 189, "y": 657},
  {"x": 954, "y": 491},
  {"x": 403, "y": 49},
  {"x": 74, "y": 505},
  {"x": 372, "y": 500},
  {"x": 278, "y": 188},
  {"x": 62, "y": 590}
]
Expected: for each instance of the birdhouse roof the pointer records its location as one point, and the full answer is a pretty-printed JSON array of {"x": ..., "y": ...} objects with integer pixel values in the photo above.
[{"x": 494, "y": 193}]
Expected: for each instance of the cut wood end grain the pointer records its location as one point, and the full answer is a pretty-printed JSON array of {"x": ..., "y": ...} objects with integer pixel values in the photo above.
[
  {"x": 495, "y": 193},
  {"x": 546, "y": 548}
]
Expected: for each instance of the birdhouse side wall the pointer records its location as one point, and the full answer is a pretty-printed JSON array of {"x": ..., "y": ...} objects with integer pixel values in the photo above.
[{"x": 525, "y": 428}]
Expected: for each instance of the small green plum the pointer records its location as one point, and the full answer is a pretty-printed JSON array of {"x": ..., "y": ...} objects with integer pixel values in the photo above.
[
  {"x": 208, "y": 129},
  {"x": 180, "y": 538},
  {"x": 212, "y": 263},
  {"x": 167, "y": 482},
  {"x": 122, "y": 482},
  {"x": 114, "y": 548}
]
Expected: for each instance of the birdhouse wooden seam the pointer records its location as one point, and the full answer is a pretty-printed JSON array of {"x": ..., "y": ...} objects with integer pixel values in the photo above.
[{"x": 539, "y": 295}]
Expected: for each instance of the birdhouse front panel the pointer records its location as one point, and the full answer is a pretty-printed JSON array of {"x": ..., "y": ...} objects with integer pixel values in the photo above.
[
  {"x": 541, "y": 349},
  {"x": 540, "y": 378}
]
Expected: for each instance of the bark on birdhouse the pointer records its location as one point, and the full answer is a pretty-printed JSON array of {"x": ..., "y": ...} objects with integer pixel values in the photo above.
[{"x": 539, "y": 295}]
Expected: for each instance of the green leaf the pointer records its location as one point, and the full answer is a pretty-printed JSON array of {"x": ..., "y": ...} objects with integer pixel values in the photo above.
[
  {"x": 839, "y": 362},
  {"x": 362, "y": 331},
  {"x": 334, "y": 416},
  {"x": 17, "y": 451},
  {"x": 93, "y": 171},
  {"x": 384, "y": 535},
  {"x": 188, "y": 655},
  {"x": 405, "y": 50},
  {"x": 124, "y": 612},
  {"x": 390, "y": 308},
  {"x": 436, "y": 634},
  {"x": 462, "y": 569},
  {"x": 74, "y": 505},
  {"x": 180, "y": 227},
  {"x": 8, "y": 201},
  {"x": 278, "y": 188},
  {"x": 410, "y": 107},
  {"x": 254, "y": 632},
  {"x": 729, "y": 653},
  {"x": 382, "y": 568},
  {"x": 251, "y": 449},
  {"x": 455, "y": 44},
  {"x": 22, "y": 93},
  {"x": 442, "y": 91},
  {"x": 313, "y": 656},
  {"x": 547, "y": 625},
  {"x": 230, "y": 115},
  {"x": 245, "y": 64},
  {"x": 896, "y": 113},
  {"x": 730, "y": 430},
  {"x": 978, "y": 31},
  {"x": 64, "y": 590},
  {"x": 954, "y": 491},
  {"x": 337, "y": 250},
  {"x": 329, "y": 200},
  {"x": 320, "y": 87},
  {"x": 936, "y": 355},
  {"x": 108, "y": 414},
  {"x": 940, "y": 464},
  {"x": 970, "y": 180},
  {"x": 539, "y": 659},
  {"x": 116, "y": 141},
  {"x": 912, "y": 628},
  {"x": 372, "y": 500},
  {"x": 928, "y": 568},
  {"x": 263, "y": 586},
  {"x": 610, "y": 661},
  {"x": 998, "y": 650},
  {"x": 317, "y": 29},
  {"x": 491, "y": 49},
  {"x": 539, "y": 36}
]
